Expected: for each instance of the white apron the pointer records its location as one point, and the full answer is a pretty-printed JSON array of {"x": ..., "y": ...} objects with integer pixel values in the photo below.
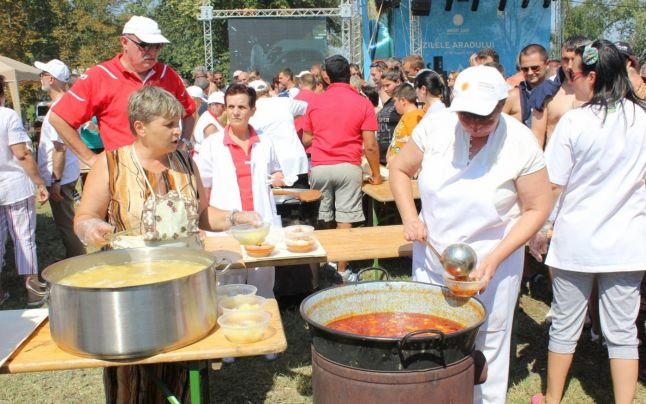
[{"x": 458, "y": 206}]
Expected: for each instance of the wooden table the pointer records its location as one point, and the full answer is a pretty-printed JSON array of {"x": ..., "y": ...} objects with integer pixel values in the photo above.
[
  {"x": 381, "y": 193},
  {"x": 354, "y": 244},
  {"x": 39, "y": 352}
]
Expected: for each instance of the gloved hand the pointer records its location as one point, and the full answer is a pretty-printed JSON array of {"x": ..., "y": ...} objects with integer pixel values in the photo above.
[
  {"x": 92, "y": 232},
  {"x": 538, "y": 244},
  {"x": 246, "y": 217}
]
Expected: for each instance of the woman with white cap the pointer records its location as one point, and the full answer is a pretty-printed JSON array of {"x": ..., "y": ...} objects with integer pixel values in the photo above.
[{"x": 482, "y": 182}]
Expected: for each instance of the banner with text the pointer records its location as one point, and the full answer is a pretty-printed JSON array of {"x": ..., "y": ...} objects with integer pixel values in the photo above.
[{"x": 450, "y": 37}]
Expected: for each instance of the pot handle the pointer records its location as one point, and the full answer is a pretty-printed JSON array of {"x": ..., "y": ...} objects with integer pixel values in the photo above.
[
  {"x": 402, "y": 344},
  {"x": 222, "y": 261},
  {"x": 44, "y": 295},
  {"x": 362, "y": 270}
]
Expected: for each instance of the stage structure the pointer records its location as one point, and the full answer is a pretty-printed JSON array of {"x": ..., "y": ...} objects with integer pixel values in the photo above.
[
  {"x": 349, "y": 12},
  {"x": 446, "y": 32}
]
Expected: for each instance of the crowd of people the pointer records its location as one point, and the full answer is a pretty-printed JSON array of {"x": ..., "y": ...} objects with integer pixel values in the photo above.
[{"x": 559, "y": 144}]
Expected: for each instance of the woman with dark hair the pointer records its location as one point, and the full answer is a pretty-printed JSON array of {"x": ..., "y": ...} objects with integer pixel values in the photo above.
[
  {"x": 432, "y": 91},
  {"x": 596, "y": 161},
  {"x": 388, "y": 117}
]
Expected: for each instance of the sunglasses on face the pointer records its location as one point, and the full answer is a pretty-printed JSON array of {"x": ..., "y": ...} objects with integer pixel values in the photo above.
[
  {"x": 533, "y": 68},
  {"x": 481, "y": 119},
  {"x": 144, "y": 46},
  {"x": 380, "y": 65}
]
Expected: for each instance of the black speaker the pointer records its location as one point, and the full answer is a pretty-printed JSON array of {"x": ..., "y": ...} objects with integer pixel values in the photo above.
[
  {"x": 502, "y": 5},
  {"x": 438, "y": 64},
  {"x": 546, "y": 3},
  {"x": 449, "y": 5},
  {"x": 474, "y": 5},
  {"x": 420, "y": 7},
  {"x": 524, "y": 4}
]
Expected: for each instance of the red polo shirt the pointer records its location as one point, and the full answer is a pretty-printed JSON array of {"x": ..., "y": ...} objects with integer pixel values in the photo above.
[
  {"x": 103, "y": 92},
  {"x": 336, "y": 118},
  {"x": 242, "y": 162}
]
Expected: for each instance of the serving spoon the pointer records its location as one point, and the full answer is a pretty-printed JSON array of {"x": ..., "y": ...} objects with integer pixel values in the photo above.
[{"x": 458, "y": 259}]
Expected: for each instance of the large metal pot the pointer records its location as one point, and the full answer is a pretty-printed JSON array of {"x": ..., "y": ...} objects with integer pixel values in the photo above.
[
  {"x": 415, "y": 351},
  {"x": 127, "y": 322}
]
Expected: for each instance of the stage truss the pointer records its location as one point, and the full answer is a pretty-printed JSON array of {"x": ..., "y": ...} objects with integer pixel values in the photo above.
[{"x": 349, "y": 11}]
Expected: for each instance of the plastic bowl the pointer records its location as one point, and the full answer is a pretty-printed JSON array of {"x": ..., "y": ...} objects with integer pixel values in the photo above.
[
  {"x": 236, "y": 289},
  {"x": 468, "y": 288},
  {"x": 301, "y": 245},
  {"x": 298, "y": 232},
  {"x": 259, "y": 250},
  {"x": 239, "y": 303},
  {"x": 244, "y": 327},
  {"x": 249, "y": 234}
]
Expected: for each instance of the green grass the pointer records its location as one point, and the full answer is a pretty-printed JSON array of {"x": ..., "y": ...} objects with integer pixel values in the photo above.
[{"x": 288, "y": 379}]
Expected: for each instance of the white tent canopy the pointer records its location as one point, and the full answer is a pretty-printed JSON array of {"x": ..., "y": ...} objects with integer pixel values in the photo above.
[{"x": 15, "y": 72}]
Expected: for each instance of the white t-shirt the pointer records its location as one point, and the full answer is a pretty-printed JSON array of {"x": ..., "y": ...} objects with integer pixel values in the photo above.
[
  {"x": 203, "y": 121},
  {"x": 510, "y": 152},
  {"x": 15, "y": 185},
  {"x": 48, "y": 136},
  {"x": 274, "y": 118},
  {"x": 600, "y": 224}
]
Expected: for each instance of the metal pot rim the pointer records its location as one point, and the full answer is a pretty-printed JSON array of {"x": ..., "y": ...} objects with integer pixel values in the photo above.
[
  {"x": 52, "y": 267},
  {"x": 358, "y": 337}
]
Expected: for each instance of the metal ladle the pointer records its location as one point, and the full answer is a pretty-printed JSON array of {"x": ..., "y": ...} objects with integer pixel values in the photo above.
[{"x": 458, "y": 259}]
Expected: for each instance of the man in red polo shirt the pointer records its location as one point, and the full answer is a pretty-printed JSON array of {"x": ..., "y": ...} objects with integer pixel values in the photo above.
[
  {"x": 340, "y": 125},
  {"x": 103, "y": 91}
]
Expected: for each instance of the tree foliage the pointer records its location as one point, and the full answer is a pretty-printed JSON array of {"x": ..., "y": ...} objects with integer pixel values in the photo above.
[{"x": 611, "y": 19}]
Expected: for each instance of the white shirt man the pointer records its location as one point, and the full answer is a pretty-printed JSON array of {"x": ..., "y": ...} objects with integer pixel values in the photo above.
[
  {"x": 58, "y": 166},
  {"x": 274, "y": 118}
]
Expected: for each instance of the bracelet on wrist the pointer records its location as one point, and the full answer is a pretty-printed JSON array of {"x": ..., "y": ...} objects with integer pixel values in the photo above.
[{"x": 231, "y": 217}]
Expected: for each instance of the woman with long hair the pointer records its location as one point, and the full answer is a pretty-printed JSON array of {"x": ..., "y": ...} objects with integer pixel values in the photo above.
[
  {"x": 596, "y": 161},
  {"x": 432, "y": 91}
]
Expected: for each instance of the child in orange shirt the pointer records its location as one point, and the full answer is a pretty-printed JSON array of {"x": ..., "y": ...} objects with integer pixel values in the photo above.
[{"x": 406, "y": 106}]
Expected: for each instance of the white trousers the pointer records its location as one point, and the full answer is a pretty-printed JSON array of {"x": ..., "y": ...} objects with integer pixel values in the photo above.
[
  {"x": 19, "y": 219},
  {"x": 494, "y": 337}
]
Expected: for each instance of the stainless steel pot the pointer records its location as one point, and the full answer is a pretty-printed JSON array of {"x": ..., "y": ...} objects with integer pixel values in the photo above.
[
  {"x": 127, "y": 322},
  {"x": 416, "y": 351}
]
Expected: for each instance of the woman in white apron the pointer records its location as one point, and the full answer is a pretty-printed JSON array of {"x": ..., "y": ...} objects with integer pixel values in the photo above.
[
  {"x": 482, "y": 182},
  {"x": 150, "y": 194},
  {"x": 238, "y": 167}
]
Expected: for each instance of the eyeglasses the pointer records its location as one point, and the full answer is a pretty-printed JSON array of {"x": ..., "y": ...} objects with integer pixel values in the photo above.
[
  {"x": 379, "y": 64},
  {"x": 533, "y": 68},
  {"x": 573, "y": 76},
  {"x": 481, "y": 119},
  {"x": 144, "y": 46},
  {"x": 44, "y": 74}
]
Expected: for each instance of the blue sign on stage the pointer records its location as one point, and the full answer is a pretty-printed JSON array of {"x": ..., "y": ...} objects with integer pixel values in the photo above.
[{"x": 455, "y": 35}]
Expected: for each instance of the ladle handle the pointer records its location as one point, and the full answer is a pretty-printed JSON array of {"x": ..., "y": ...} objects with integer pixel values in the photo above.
[{"x": 433, "y": 250}]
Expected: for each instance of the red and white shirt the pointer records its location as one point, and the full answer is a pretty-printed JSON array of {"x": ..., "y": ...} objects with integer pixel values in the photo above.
[{"x": 103, "y": 92}]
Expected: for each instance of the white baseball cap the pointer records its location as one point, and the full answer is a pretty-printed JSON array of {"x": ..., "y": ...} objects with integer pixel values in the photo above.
[
  {"x": 478, "y": 90},
  {"x": 237, "y": 73},
  {"x": 196, "y": 92},
  {"x": 259, "y": 85},
  {"x": 303, "y": 73},
  {"x": 145, "y": 29},
  {"x": 216, "y": 97},
  {"x": 56, "y": 68}
]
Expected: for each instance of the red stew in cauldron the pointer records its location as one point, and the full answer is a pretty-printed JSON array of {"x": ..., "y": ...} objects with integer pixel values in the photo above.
[{"x": 392, "y": 324}]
